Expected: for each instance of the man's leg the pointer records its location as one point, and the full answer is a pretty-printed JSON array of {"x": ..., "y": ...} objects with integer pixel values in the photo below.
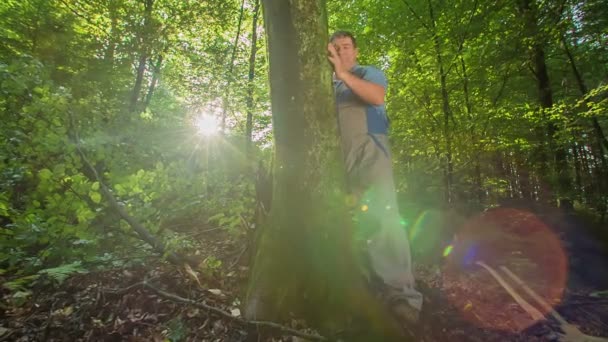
[{"x": 388, "y": 247}]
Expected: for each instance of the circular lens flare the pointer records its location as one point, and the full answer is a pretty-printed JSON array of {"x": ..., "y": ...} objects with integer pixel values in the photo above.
[{"x": 504, "y": 239}]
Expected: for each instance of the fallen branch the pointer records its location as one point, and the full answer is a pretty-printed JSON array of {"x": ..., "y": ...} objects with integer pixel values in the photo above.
[
  {"x": 141, "y": 231},
  {"x": 222, "y": 313}
]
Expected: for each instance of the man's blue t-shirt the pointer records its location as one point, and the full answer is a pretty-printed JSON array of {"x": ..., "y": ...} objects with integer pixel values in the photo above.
[{"x": 377, "y": 120}]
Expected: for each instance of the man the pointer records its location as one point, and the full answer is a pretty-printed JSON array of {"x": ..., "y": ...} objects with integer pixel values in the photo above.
[{"x": 360, "y": 92}]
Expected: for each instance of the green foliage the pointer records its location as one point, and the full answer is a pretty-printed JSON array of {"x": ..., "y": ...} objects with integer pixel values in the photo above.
[
  {"x": 61, "y": 273},
  {"x": 68, "y": 72},
  {"x": 178, "y": 331},
  {"x": 492, "y": 138},
  {"x": 67, "y": 77}
]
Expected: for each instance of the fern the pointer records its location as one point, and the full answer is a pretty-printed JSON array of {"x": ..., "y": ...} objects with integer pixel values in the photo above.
[{"x": 61, "y": 273}]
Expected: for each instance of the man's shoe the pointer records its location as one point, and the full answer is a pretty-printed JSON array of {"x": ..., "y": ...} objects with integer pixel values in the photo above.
[{"x": 405, "y": 314}]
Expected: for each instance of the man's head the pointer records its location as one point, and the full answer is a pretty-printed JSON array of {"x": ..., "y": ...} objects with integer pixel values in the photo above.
[{"x": 346, "y": 46}]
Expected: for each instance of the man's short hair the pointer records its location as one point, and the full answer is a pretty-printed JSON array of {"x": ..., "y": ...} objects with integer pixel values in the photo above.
[{"x": 343, "y": 34}]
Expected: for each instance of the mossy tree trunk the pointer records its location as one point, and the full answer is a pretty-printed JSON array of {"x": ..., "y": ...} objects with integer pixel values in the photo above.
[{"x": 304, "y": 263}]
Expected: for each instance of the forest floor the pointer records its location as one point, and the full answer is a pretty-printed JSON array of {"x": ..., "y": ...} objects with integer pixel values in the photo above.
[{"x": 462, "y": 303}]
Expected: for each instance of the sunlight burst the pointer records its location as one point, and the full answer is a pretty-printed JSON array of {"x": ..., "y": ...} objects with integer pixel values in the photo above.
[{"x": 207, "y": 125}]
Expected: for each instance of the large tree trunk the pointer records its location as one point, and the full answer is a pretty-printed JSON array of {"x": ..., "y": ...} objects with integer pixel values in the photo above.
[{"x": 304, "y": 263}]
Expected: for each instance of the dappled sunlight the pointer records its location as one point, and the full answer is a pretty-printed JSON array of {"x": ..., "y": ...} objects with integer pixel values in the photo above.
[{"x": 500, "y": 246}]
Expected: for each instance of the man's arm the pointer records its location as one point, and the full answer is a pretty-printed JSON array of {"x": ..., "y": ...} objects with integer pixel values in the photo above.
[
  {"x": 370, "y": 92},
  {"x": 367, "y": 91}
]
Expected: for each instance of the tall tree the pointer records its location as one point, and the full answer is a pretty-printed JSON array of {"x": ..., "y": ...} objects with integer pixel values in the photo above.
[
  {"x": 251, "y": 77},
  {"x": 529, "y": 11},
  {"x": 143, "y": 40},
  {"x": 304, "y": 263}
]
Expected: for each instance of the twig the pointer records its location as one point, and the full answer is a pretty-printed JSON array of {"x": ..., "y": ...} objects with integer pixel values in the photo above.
[
  {"x": 124, "y": 290},
  {"x": 416, "y": 15},
  {"x": 238, "y": 257},
  {"x": 222, "y": 313}
]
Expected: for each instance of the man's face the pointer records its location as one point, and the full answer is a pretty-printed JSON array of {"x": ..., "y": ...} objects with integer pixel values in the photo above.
[{"x": 346, "y": 51}]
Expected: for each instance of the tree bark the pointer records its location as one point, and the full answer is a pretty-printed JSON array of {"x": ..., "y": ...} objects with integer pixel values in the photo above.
[
  {"x": 477, "y": 177},
  {"x": 109, "y": 53},
  {"x": 600, "y": 138},
  {"x": 155, "y": 75},
  {"x": 530, "y": 14},
  {"x": 250, "y": 84},
  {"x": 231, "y": 67},
  {"x": 577, "y": 168},
  {"x": 143, "y": 57},
  {"x": 447, "y": 113},
  {"x": 304, "y": 264}
]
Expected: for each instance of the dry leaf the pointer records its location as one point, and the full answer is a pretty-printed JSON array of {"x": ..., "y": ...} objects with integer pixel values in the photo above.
[
  {"x": 192, "y": 274},
  {"x": 216, "y": 292}
]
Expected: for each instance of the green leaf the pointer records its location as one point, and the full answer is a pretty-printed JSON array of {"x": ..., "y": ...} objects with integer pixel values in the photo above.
[
  {"x": 3, "y": 209},
  {"x": 61, "y": 273},
  {"x": 20, "y": 283},
  {"x": 45, "y": 174},
  {"x": 95, "y": 197}
]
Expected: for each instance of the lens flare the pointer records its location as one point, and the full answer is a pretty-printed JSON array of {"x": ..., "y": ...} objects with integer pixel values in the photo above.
[{"x": 503, "y": 238}]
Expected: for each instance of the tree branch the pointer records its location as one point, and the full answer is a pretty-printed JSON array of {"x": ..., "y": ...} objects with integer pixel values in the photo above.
[
  {"x": 417, "y": 16},
  {"x": 219, "y": 312},
  {"x": 141, "y": 231},
  {"x": 85, "y": 18}
]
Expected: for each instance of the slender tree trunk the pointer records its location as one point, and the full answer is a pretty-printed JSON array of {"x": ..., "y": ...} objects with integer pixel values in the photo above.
[
  {"x": 304, "y": 264},
  {"x": 143, "y": 60},
  {"x": 155, "y": 76},
  {"x": 477, "y": 178},
  {"x": 529, "y": 12},
  {"x": 110, "y": 50},
  {"x": 449, "y": 167},
  {"x": 524, "y": 181},
  {"x": 250, "y": 84},
  {"x": 231, "y": 67},
  {"x": 143, "y": 57},
  {"x": 600, "y": 138},
  {"x": 587, "y": 171},
  {"x": 577, "y": 168}
]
